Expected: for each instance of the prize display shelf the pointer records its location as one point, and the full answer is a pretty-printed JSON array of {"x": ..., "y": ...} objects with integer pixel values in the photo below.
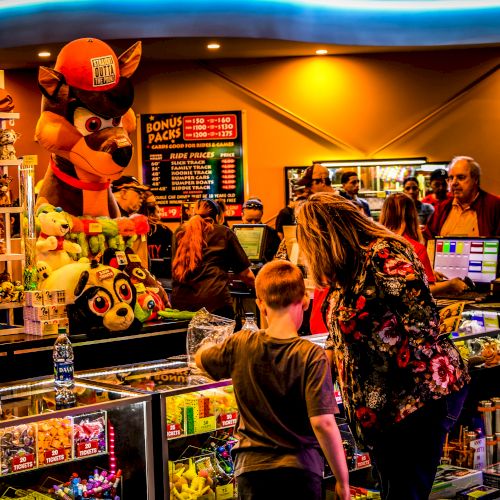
[
  {"x": 7, "y": 322},
  {"x": 190, "y": 412},
  {"x": 25, "y": 356},
  {"x": 42, "y": 446}
]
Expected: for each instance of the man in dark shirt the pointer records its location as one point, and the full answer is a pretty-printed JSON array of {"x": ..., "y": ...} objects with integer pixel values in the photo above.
[
  {"x": 129, "y": 194},
  {"x": 350, "y": 190},
  {"x": 284, "y": 392}
]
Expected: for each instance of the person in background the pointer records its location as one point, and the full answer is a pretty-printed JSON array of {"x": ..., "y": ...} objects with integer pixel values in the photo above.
[
  {"x": 439, "y": 186},
  {"x": 399, "y": 214},
  {"x": 284, "y": 393},
  {"x": 472, "y": 211},
  {"x": 222, "y": 211},
  {"x": 159, "y": 235},
  {"x": 403, "y": 383},
  {"x": 350, "y": 186},
  {"x": 252, "y": 212},
  {"x": 317, "y": 179},
  {"x": 203, "y": 253},
  {"x": 286, "y": 216},
  {"x": 412, "y": 189},
  {"x": 129, "y": 194}
]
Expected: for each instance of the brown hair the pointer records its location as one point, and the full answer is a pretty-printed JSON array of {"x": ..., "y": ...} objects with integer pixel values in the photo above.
[
  {"x": 333, "y": 233},
  {"x": 400, "y": 215},
  {"x": 192, "y": 239},
  {"x": 280, "y": 284}
]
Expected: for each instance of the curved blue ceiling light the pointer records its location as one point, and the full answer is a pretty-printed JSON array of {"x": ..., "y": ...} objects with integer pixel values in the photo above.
[{"x": 387, "y": 23}]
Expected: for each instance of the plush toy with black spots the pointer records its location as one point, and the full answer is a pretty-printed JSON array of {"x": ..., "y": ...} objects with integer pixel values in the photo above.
[{"x": 98, "y": 297}]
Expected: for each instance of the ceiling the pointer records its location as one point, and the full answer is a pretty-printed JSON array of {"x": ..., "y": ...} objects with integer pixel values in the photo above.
[{"x": 176, "y": 30}]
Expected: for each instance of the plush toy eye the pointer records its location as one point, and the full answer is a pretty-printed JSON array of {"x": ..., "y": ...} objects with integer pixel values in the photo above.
[
  {"x": 93, "y": 124},
  {"x": 87, "y": 122},
  {"x": 123, "y": 290},
  {"x": 139, "y": 273},
  {"x": 100, "y": 304}
]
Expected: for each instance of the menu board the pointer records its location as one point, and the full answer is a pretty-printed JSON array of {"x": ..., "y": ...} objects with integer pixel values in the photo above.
[{"x": 187, "y": 156}]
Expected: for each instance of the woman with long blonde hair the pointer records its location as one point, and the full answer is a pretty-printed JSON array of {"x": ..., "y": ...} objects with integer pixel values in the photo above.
[
  {"x": 204, "y": 252},
  {"x": 399, "y": 214},
  {"x": 402, "y": 382}
]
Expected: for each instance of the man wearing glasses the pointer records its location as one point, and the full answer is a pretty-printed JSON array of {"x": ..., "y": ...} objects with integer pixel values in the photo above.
[{"x": 129, "y": 194}]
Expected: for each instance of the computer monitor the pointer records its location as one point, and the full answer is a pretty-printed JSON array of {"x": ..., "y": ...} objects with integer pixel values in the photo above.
[
  {"x": 252, "y": 238},
  {"x": 477, "y": 258}
]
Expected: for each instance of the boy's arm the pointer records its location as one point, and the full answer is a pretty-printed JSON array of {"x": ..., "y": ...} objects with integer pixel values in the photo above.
[
  {"x": 328, "y": 435},
  {"x": 197, "y": 356}
]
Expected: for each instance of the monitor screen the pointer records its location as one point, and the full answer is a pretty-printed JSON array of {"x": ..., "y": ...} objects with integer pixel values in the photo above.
[
  {"x": 252, "y": 240},
  {"x": 476, "y": 258}
]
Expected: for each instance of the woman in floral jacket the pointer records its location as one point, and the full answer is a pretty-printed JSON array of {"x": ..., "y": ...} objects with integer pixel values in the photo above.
[{"x": 403, "y": 383}]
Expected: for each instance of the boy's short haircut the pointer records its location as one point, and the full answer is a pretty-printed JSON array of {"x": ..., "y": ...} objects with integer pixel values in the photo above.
[{"x": 280, "y": 284}]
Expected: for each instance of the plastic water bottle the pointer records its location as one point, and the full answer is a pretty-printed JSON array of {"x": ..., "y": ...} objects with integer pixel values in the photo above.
[
  {"x": 250, "y": 325},
  {"x": 64, "y": 383}
]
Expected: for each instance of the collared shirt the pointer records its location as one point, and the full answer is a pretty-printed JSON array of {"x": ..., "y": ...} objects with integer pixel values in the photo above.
[{"x": 461, "y": 221}]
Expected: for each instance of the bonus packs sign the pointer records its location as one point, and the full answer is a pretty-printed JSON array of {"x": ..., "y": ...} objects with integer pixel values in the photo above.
[{"x": 187, "y": 156}]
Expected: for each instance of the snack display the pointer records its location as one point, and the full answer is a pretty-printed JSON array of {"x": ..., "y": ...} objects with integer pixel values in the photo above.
[
  {"x": 192, "y": 478},
  {"x": 101, "y": 484},
  {"x": 89, "y": 435},
  {"x": 224, "y": 406},
  {"x": 54, "y": 441},
  {"x": 191, "y": 413},
  {"x": 17, "y": 448}
]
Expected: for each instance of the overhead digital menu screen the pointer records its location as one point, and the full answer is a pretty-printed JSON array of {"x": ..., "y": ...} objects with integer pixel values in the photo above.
[{"x": 187, "y": 156}]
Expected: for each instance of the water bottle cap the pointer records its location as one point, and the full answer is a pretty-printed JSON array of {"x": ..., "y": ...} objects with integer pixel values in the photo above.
[{"x": 249, "y": 315}]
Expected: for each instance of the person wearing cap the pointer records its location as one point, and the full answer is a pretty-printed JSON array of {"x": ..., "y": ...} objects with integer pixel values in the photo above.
[
  {"x": 350, "y": 189},
  {"x": 129, "y": 194},
  {"x": 412, "y": 189},
  {"x": 439, "y": 186},
  {"x": 317, "y": 179},
  {"x": 471, "y": 211},
  {"x": 251, "y": 213}
]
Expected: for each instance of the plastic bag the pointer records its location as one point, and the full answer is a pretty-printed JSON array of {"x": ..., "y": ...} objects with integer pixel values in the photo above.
[{"x": 206, "y": 327}]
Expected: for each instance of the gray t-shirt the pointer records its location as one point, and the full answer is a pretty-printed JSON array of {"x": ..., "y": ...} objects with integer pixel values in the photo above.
[{"x": 279, "y": 384}]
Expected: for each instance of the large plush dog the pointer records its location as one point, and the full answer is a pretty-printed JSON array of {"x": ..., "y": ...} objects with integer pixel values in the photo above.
[{"x": 85, "y": 123}]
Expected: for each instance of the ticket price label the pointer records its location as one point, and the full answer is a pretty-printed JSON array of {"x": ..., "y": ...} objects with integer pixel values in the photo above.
[
  {"x": 54, "y": 456},
  {"x": 87, "y": 449},
  {"x": 228, "y": 419},
  {"x": 338, "y": 397},
  {"x": 174, "y": 430},
  {"x": 24, "y": 462},
  {"x": 225, "y": 492},
  {"x": 206, "y": 424},
  {"x": 363, "y": 460}
]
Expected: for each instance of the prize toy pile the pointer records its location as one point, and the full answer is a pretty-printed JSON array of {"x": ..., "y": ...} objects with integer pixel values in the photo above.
[{"x": 99, "y": 485}]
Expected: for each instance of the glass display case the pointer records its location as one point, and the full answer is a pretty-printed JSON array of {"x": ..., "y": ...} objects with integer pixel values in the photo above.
[
  {"x": 193, "y": 422},
  {"x": 194, "y": 417},
  {"x": 378, "y": 177},
  {"x": 100, "y": 448}
]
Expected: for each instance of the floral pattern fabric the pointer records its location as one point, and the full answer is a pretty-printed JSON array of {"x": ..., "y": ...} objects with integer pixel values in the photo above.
[{"x": 384, "y": 335}]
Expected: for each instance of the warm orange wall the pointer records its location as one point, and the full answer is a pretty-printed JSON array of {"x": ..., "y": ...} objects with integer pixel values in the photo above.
[{"x": 302, "y": 109}]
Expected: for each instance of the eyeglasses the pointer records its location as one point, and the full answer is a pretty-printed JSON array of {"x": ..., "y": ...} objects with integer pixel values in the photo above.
[
  {"x": 140, "y": 192},
  {"x": 253, "y": 206}
]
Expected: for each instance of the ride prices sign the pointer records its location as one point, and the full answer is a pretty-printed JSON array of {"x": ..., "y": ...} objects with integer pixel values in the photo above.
[{"x": 187, "y": 156}]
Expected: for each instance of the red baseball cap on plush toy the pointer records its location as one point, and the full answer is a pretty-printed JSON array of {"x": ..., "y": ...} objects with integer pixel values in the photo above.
[
  {"x": 88, "y": 64},
  {"x": 91, "y": 69}
]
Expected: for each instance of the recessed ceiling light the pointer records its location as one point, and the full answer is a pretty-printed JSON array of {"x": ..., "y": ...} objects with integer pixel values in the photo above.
[
  {"x": 213, "y": 46},
  {"x": 44, "y": 53},
  {"x": 321, "y": 52}
]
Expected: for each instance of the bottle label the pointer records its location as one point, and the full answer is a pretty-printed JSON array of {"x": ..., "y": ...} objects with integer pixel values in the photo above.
[{"x": 63, "y": 372}]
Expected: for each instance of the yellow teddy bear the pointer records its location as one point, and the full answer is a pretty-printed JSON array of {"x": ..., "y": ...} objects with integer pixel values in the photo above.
[{"x": 52, "y": 248}]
